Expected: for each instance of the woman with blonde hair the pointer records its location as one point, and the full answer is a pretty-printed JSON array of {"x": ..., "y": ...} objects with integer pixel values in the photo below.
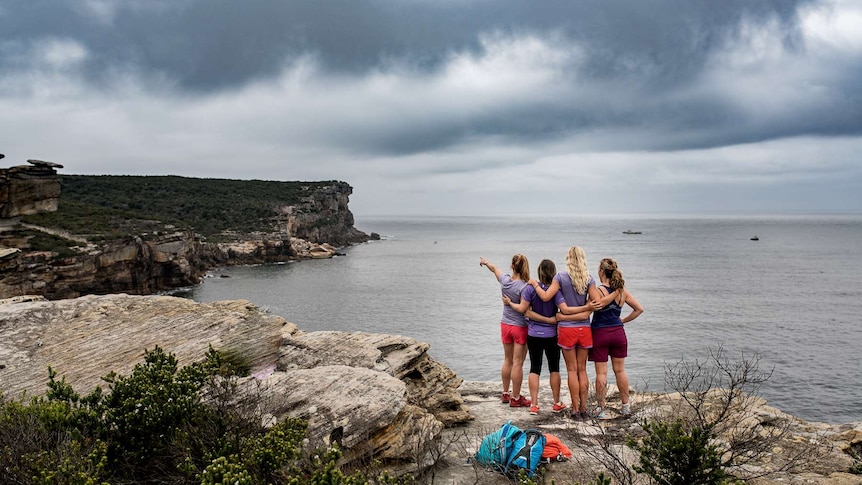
[
  {"x": 609, "y": 336},
  {"x": 574, "y": 291},
  {"x": 513, "y": 329}
]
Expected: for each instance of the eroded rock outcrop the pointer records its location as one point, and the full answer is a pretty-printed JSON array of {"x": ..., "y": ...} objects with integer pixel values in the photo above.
[
  {"x": 379, "y": 396},
  {"x": 322, "y": 217},
  {"x": 139, "y": 265},
  {"x": 29, "y": 189}
]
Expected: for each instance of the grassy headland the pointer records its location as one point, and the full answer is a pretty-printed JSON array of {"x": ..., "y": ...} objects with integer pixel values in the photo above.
[{"x": 111, "y": 206}]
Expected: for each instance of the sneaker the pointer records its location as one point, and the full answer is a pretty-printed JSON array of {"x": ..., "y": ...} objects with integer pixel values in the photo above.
[
  {"x": 579, "y": 415},
  {"x": 505, "y": 398},
  {"x": 559, "y": 406},
  {"x": 534, "y": 409},
  {"x": 521, "y": 402},
  {"x": 599, "y": 413},
  {"x": 626, "y": 410}
]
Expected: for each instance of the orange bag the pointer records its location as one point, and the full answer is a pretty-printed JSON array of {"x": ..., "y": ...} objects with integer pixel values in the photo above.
[{"x": 555, "y": 449}]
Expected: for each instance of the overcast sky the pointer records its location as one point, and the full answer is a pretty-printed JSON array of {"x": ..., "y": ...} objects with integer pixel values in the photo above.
[{"x": 451, "y": 106}]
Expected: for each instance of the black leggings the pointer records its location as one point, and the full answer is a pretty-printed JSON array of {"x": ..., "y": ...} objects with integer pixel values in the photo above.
[{"x": 548, "y": 345}]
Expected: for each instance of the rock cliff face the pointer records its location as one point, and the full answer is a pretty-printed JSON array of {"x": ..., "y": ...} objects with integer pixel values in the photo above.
[
  {"x": 131, "y": 265},
  {"x": 157, "y": 260},
  {"x": 322, "y": 217},
  {"x": 29, "y": 189},
  {"x": 379, "y": 396}
]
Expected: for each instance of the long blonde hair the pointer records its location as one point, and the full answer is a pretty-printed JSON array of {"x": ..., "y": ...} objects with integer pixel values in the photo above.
[{"x": 576, "y": 266}]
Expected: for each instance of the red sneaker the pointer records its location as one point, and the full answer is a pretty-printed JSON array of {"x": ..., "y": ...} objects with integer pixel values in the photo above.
[
  {"x": 559, "y": 406},
  {"x": 521, "y": 402},
  {"x": 534, "y": 410},
  {"x": 505, "y": 397}
]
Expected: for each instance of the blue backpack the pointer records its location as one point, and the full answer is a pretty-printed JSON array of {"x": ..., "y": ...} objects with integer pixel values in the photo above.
[
  {"x": 526, "y": 452},
  {"x": 496, "y": 448}
]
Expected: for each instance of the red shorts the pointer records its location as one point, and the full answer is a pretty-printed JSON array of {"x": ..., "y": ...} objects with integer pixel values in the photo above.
[
  {"x": 513, "y": 334},
  {"x": 571, "y": 337}
]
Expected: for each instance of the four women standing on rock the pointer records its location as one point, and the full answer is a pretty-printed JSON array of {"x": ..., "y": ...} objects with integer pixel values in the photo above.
[{"x": 568, "y": 299}]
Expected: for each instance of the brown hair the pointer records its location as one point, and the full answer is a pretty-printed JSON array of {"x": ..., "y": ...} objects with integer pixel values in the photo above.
[
  {"x": 609, "y": 267},
  {"x": 521, "y": 267},
  {"x": 547, "y": 270}
]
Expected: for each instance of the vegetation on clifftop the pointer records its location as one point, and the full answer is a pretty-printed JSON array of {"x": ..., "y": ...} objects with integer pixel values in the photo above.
[{"x": 118, "y": 205}]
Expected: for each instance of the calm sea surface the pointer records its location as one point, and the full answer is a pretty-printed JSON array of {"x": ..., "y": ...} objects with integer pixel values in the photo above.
[{"x": 794, "y": 298}]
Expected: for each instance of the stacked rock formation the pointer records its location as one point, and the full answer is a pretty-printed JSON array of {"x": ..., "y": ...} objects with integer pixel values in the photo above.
[{"x": 29, "y": 189}]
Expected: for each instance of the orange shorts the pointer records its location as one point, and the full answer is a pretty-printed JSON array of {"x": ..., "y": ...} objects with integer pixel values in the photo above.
[
  {"x": 513, "y": 334},
  {"x": 571, "y": 337}
]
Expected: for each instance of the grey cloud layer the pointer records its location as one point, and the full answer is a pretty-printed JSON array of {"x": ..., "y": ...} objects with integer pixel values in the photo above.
[
  {"x": 399, "y": 94},
  {"x": 636, "y": 58}
]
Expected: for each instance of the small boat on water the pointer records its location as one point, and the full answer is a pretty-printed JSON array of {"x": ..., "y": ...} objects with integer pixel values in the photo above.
[
  {"x": 755, "y": 238},
  {"x": 629, "y": 231}
]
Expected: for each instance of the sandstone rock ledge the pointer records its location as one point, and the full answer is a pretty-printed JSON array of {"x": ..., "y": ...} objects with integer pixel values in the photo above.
[{"x": 379, "y": 396}]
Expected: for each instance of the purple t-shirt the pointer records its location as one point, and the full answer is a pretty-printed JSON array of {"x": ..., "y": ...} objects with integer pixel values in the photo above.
[
  {"x": 512, "y": 289},
  {"x": 544, "y": 308},
  {"x": 572, "y": 298}
]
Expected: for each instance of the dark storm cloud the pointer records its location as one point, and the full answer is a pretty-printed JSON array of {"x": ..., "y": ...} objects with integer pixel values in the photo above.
[
  {"x": 209, "y": 44},
  {"x": 656, "y": 47}
]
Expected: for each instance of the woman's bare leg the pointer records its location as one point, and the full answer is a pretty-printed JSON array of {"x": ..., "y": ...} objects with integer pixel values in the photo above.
[
  {"x": 556, "y": 381},
  {"x": 569, "y": 355},
  {"x": 583, "y": 379},
  {"x": 601, "y": 383},
  {"x": 519, "y": 354},
  {"x": 621, "y": 377},
  {"x": 506, "y": 371}
]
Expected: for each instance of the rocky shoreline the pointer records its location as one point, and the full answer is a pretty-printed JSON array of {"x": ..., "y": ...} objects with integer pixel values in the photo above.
[{"x": 381, "y": 396}]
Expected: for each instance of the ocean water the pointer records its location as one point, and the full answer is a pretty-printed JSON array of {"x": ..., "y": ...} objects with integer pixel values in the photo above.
[{"x": 793, "y": 298}]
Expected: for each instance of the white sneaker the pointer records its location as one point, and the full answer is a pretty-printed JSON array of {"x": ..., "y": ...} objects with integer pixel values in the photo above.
[
  {"x": 626, "y": 410},
  {"x": 599, "y": 413}
]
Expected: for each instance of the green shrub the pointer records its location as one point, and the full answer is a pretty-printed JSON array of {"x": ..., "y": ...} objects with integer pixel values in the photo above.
[
  {"x": 41, "y": 443},
  {"x": 165, "y": 423},
  {"x": 674, "y": 454}
]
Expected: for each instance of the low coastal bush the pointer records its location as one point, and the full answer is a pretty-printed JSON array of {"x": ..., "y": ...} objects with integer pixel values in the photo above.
[
  {"x": 161, "y": 424},
  {"x": 675, "y": 454}
]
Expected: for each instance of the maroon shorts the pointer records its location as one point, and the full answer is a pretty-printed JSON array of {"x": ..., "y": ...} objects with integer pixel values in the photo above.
[
  {"x": 609, "y": 341},
  {"x": 513, "y": 334},
  {"x": 571, "y": 337}
]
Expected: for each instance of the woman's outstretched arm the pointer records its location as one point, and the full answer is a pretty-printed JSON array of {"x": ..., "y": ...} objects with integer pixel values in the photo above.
[{"x": 491, "y": 266}]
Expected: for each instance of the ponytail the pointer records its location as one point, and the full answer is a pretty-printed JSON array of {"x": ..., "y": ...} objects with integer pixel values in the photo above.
[
  {"x": 609, "y": 267},
  {"x": 521, "y": 267}
]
